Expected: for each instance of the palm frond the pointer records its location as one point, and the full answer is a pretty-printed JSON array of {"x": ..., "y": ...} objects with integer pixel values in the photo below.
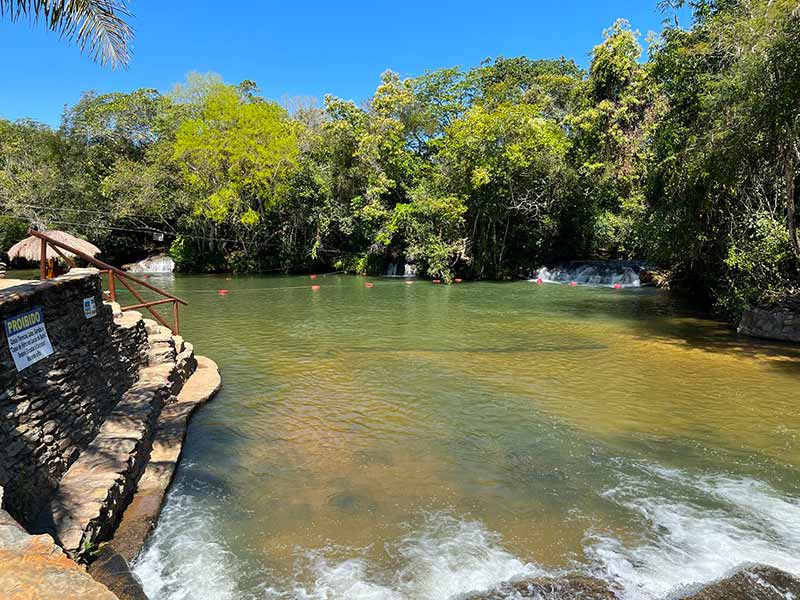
[{"x": 98, "y": 27}]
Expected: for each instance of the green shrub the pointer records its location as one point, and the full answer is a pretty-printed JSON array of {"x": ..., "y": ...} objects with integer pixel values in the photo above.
[{"x": 759, "y": 266}]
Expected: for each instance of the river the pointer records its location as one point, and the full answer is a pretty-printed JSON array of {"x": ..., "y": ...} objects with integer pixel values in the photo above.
[{"x": 418, "y": 441}]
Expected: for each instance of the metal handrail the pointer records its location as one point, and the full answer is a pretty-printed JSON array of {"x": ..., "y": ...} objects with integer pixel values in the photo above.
[{"x": 114, "y": 274}]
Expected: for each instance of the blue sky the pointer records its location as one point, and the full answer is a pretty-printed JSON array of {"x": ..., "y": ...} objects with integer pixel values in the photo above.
[{"x": 303, "y": 48}]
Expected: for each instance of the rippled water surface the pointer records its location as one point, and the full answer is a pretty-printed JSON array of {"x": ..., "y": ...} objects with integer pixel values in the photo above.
[{"x": 420, "y": 441}]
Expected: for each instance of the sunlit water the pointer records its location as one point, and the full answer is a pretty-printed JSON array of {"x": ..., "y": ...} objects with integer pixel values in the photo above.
[{"x": 420, "y": 442}]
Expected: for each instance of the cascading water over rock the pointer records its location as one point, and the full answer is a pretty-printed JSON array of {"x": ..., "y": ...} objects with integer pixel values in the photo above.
[
  {"x": 400, "y": 268},
  {"x": 600, "y": 273},
  {"x": 160, "y": 263}
]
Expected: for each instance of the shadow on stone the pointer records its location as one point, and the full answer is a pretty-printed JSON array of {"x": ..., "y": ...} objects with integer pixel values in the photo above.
[{"x": 110, "y": 569}]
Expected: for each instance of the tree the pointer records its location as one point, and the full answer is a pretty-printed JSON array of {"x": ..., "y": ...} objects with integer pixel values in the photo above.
[
  {"x": 235, "y": 157},
  {"x": 97, "y": 26}
]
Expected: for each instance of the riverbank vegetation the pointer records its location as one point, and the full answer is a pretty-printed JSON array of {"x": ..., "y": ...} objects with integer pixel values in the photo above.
[{"x": 682, "y": 149}]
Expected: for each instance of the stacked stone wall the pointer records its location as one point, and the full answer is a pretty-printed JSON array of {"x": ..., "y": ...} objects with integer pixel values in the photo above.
[
  {"x": 51, "y": 410},
  {"x": 773, "y": 324}
]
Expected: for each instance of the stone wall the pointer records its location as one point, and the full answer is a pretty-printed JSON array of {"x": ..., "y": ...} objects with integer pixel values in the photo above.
[
  {"x": 51, "y": 410},
  {"x": 774, "y": 324}
]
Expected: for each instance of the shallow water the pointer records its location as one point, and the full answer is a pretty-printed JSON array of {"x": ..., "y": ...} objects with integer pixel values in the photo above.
[{"x": 420, "y": 442}]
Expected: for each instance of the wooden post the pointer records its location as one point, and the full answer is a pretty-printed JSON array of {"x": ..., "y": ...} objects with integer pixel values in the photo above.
[
  {"x": 112, "y": 288},
  {"x": 43, "y": 259},
  {"x": 176, "y": 328}
]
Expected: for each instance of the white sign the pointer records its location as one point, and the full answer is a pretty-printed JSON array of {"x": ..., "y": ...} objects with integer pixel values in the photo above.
[
  {"x": 27, "y": 338},
  {"x": 89, "y": 307}
]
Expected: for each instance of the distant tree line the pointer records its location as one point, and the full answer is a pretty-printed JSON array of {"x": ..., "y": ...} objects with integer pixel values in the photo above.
[{"x": 687, "y": 157}]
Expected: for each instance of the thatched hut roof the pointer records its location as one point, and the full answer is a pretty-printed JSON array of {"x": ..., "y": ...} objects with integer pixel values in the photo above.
[{"x": 30, "y": 247}]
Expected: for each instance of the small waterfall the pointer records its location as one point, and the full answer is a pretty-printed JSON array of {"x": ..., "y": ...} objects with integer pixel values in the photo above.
[
  {"x": 160, "y": 263},
  {"x": 598, "y": 273},
  {"x": 400, "y": 268}
]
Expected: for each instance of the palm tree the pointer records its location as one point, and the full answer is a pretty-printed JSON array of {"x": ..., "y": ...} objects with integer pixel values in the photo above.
[{"x": 96, "y": 26}]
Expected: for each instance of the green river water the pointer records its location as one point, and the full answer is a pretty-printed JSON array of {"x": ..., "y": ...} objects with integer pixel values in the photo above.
[{"x": 415, "y": 441}]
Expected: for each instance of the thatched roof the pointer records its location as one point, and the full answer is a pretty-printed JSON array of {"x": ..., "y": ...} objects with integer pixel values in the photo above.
[{"x": 30, "y": 247}]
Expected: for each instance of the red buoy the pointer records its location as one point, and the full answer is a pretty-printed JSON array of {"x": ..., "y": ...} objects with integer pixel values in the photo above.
[
  {"x": 436, "y": 281},
  {"x": 315, "y": 288},
  {"x": 617, "y": 286},
  {"x": 313, "y": 276},
  {"x": 369, "y": 284},
  {"x": 572, "y": 284},
  {"x": 222, "y": 292},
  {"x": 540, "y": 281},
  {"x": 457, "y": 280}
]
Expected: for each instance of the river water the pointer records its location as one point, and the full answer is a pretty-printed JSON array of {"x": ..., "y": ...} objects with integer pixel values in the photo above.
[{"x": 413, "y": 442}]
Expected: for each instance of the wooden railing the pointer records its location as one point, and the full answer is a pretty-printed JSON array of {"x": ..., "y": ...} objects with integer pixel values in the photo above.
[{"x": 114, "y": 275}]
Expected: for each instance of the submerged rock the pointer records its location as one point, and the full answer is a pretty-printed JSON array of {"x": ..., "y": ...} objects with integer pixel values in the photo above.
[
  {"x": 546, "y": 588},
  {"x": 759, "y": 582}
]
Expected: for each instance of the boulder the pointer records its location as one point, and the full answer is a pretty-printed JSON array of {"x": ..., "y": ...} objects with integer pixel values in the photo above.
[
  {"x": 110, "y": 569},
  {"x": 654, "y": 277},
  {"x": 547, "y": 588},
  {"x": 758, "y": 582}
]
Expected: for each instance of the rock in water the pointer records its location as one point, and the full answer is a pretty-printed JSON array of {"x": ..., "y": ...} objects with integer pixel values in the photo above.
[
  {"x": 758, "y": 582},
  {"x": 110, "y": 569},
  {"x": 546, "y": 588}
]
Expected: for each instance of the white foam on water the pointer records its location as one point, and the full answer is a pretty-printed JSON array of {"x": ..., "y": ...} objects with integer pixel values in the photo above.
[
  {"x": 697, "y": 535},
  {"x": 688, "y": 529},
  {"x": 184, "y": 558},
  {"x": 444, "y": 558},
  {"x": 591, "y": 274}
]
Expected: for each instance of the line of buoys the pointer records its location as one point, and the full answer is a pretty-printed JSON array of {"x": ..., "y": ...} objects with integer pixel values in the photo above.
[
  {"x": 572, "y": 284},
  {"x": 313, "y": 276},
  {"x": 315, "y": 288},
  {"x": 222, "y": 292},
  {"x": 369, "y": 284}
]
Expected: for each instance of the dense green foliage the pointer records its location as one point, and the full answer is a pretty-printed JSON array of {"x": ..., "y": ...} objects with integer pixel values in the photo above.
[{"x": 687, "y": 157}]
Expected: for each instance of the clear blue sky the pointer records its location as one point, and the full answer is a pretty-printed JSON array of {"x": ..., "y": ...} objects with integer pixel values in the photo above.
[{"x": 303, "y": 48}]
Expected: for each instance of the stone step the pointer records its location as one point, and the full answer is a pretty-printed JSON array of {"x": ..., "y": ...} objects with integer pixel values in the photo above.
[
  {"x": 101, "y": 481},
  {"x": 98, "y": 486},
  {"x": 142, "y": 514}
]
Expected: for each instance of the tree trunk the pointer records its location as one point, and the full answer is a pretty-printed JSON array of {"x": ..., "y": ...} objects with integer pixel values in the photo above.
[{"x": 789, "y": 181}]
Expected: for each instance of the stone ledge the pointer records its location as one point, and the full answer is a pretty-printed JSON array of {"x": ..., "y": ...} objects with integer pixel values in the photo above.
[
  {"x": 141, "y": 516},
  {"x": 776, "y": 324},
  {"x": 99, "y": 485},
  {"x": 33, "y": 566}
]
